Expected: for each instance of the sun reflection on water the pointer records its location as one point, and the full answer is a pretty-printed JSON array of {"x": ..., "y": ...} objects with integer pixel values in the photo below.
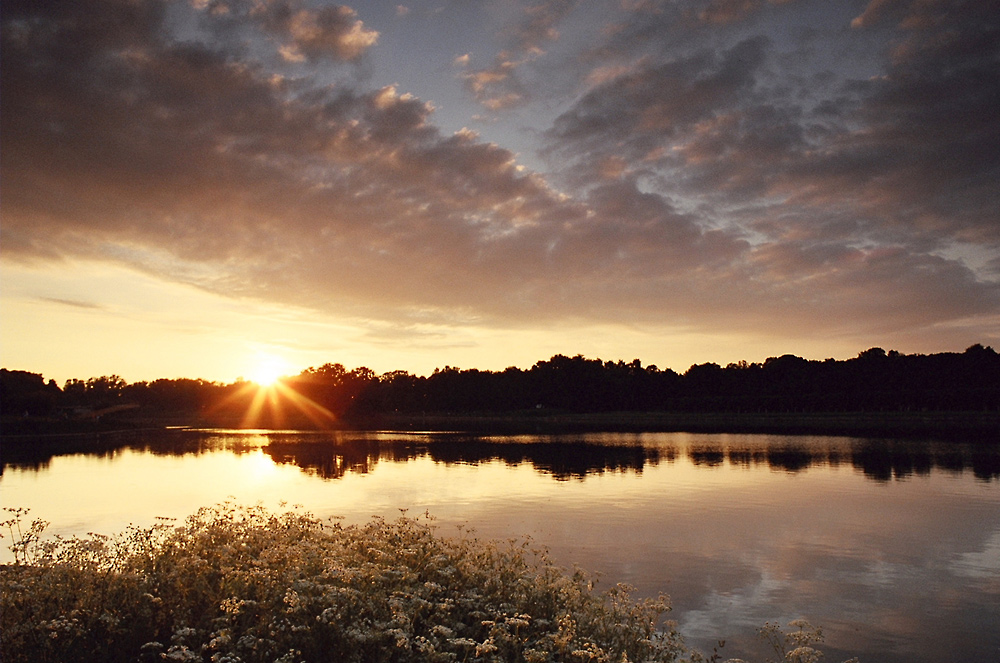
[{"x": 737, "y": 529}]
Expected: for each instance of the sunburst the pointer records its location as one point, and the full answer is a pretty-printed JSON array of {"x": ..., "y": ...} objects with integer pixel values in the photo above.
[
  {"x": 276, "y": 399},
  {"x": 268, "y": 370},
  {"x": 270, "y": 399}
]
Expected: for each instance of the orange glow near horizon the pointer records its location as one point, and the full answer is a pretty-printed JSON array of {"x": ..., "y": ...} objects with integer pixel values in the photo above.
[
  {"x": 276, "y": 397},
  {"x": 271, "y": 404}
]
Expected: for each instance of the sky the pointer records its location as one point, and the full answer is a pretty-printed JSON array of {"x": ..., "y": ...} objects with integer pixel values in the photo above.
[{"x": 195, "y": 188}]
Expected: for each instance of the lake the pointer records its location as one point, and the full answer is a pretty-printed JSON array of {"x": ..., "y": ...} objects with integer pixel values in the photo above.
[{"x": 892, "y": 546}]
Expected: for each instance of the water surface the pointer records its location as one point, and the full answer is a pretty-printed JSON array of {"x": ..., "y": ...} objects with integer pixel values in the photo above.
[{"x": 892, "y": 546}]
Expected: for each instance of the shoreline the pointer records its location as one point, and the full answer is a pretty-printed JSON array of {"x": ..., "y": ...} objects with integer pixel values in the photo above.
[
  {"x": 954, "y": 426},
  {"x": 980, "y": 426}
]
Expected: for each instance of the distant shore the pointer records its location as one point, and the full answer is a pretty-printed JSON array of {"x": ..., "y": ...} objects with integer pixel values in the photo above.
[{"x": 956, "y": 426}]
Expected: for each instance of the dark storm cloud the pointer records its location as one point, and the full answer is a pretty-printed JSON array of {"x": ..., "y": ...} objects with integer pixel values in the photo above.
[{"x": 705, "y": 181}]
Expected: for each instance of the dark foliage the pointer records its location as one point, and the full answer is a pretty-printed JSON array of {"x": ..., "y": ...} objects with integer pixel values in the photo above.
[{"x": 874, "y": 381}]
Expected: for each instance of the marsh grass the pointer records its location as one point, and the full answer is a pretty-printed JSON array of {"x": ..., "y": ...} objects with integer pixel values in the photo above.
[{"x": 242, "y": 584}]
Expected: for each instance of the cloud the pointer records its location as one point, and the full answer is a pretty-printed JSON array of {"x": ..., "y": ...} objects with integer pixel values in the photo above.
[
  {"x": 873, "y": 13},
  {"x": 933, "y": 117},
  {"x": 730, "y": 11},
  {"x": 849, "y": 202},
  {"x": 216, "y": 173},
  {"x": 72, "y": 303},
  {"x": 638, "y": 110},
  {"x": 499, "y": 86},
  {"x": 727, "y": 11},
  {"x": 538, "y": 25},
  {"x": 695, "y": 185},
  {"x": 188, "y": 160},
  {"x": 331, "y": 31}
]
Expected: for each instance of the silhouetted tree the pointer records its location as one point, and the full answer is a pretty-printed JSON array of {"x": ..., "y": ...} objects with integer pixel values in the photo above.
[
  {"x": 875, "y": 380},
  {"x": 23, "y": 393}
]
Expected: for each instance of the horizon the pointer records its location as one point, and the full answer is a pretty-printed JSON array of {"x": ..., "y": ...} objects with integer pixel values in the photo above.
[
  {"x": 270, "y": 375},
  {"x": 225, "y": 188}
]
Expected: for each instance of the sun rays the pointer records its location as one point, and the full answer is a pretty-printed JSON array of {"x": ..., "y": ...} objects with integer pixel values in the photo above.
[
  {"x": 275, "y": 399},
  {"x": 275, "y": 405}
]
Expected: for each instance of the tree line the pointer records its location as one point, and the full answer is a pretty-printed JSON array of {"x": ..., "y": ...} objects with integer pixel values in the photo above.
[{"x": 874, "y": 381}]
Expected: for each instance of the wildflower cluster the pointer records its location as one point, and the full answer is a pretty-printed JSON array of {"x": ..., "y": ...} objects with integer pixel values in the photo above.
[
  {"x": 794, "y": 646},
  {"x": 241, "y": 584},
  {"x": 237, "y": 584}
]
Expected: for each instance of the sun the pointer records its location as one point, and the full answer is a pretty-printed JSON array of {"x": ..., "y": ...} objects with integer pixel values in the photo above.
[
  {"x": 269, "y": 398},
  {"x": 268, "y": 370}
]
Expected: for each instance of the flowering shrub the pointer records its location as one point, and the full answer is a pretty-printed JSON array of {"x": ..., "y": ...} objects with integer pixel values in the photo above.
[{"x": 236, "y": 584}]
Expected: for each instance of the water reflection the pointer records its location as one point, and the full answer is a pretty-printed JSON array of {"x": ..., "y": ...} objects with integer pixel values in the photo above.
[
  {"x": 563, "y": 460},
  {"x": 894, "y": 547},
  {"x": 563, "y": 457},
  {"x": 36, "y": 454},
  {"x": 331, "y": 459},
  {"x": 880, "y": 460}
]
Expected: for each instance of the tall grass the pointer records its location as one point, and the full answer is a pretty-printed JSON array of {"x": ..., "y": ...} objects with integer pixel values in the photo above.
[{"x": 242, "y": 584}]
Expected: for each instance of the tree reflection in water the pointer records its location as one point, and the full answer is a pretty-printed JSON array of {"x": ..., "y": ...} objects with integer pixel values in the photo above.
[
  {"x": 733, "y": 527},
  {"x": 562, "y": 460},
  {"x": 563, "y": 457}
]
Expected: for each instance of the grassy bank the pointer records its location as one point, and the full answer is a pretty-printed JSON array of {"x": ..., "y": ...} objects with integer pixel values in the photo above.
[{"x": 236, "y": 584}]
